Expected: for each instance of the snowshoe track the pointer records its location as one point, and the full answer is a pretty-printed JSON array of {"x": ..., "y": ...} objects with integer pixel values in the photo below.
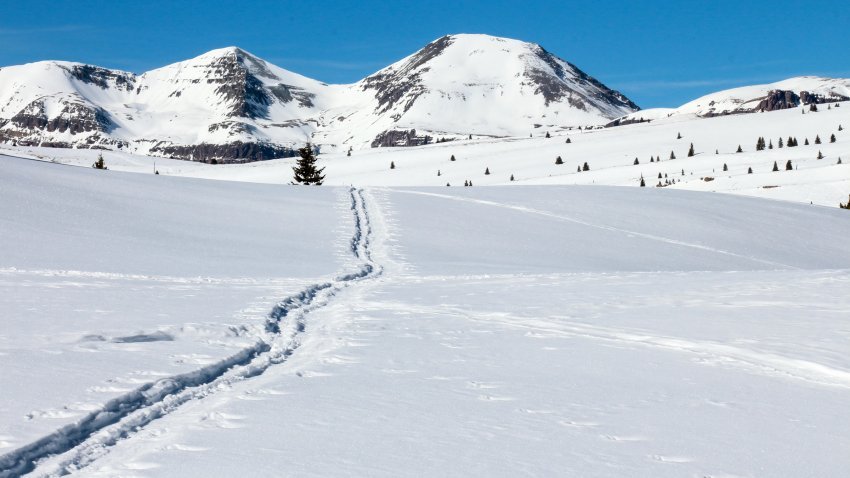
[{"x": 90, "y": 437}]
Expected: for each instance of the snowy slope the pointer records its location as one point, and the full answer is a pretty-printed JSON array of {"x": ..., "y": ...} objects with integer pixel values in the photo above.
[
  {"x": 472, "y": 84},
  {"x": 790, "y": 93},
  {"x": 502, "y": 331},
  {"x": 610, "y": 154},
  {"x": 230, "y": 105}
]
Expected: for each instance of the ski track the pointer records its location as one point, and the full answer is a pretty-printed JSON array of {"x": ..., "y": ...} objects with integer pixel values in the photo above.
[
  {"x": 90, "y": 437},
  {"x": 599, "y": 226}
]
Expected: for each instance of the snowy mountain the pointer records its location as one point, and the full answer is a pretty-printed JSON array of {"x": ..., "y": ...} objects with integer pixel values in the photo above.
[
  {"x": 229, "y": 105},
  {"x": 790, "y": 93}
]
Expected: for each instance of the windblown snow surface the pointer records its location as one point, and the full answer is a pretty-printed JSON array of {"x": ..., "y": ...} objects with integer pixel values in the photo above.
[{"x": 165, "y": 326}]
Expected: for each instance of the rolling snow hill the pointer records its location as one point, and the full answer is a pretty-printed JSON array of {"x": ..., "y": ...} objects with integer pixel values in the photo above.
[
  {"x": 231, "y": 106},
  {"x": 167, "y": 326}
]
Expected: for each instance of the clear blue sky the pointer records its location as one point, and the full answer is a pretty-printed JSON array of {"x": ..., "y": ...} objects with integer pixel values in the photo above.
[{"x": 659, "y": 53}]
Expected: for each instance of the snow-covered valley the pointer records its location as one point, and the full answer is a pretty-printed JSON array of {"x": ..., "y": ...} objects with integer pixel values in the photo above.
[{"x": 156, "y": 325}]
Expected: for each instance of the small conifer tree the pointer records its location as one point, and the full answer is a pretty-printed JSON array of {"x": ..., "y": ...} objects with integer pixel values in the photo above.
[
  {"x": 570, "y": 141},
  {"x": 725, "y": 168},
  {"x": 813, "y": 107},
  {"x": 512, "y": 177},
  {"x": 438, "y": 172},
  {"x": 558, "y": 160},
  {"x": 775, "y": 166},
  {"x": 392, "y": 164},
  {"x": 578, "y": 169},
  {"x": 789, "y": 166},
  {"x": 659, "y": 175},
  {"x": 678, "y": 135},
  {"x": 651, "y": 159},
  {"x": 642, "y": 182},
  {"x": 99, "y": 163},
  {"x": 486, "y": 171},
  {"x": 806, "y": 142},
  {"x": 750, "y": 170},
  {"x": 691, "y": 151},
  {"x": 780, "y": 142},
  {"x": 840, "y": 128},
  {"x": 832, "y": 138},
  {"x": 452, "y": 158},
  {"x": 817, "y": 139},
  {"x": 548, "y": 135},
  {"x": 770, "y": 144},
  {"x": 740, "y": 150},
  {"x": 585, "y": 167},
  {"x": 305, "y": 169},
  {"x": 636, "y": 162},
  {"x": 820, "y": 155},
  {"x": 672, "y": 155}
]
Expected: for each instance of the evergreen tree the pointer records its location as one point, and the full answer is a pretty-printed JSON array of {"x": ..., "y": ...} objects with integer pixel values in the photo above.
[
  {"x": 813, "y": 107},
  {"x": 790, "y": 142},
  {"x": 775, "y": 166},
  {"x": 470, "y": 183},
  {"x": 672, "y": 155},
  {"x": 789, "y": 166},
  {"x": 760, "y": 144},
  {"x": 305, "y": 169},
  {"x": 691, "y": 150},
  {"x": 452, "y": 158},
  {"x": 659, "y": 175},
  {"x": 740, "y": 150},
  {"x": 99, "y": 164},
  {"x": 486, "y": 171},
  {"x": 642, "y": 182},
  {"x": 770, "y": 144},
  {"x": 636, "y": 162},
  {"x": 820, "y": 155},
  {"x": 780, "y": 142},
  {"x": 839, "y": 161},
  {"x": 470, "y": 136},
  {"x": 840, "y": 128},
  {"x": 683, "y": 172},
  {"x": 651, "y": 159},
  {"x": 585, "y": 167},
  {"x": 817, "y": 139},
  {"x": 750, "y": 170},
  {"x": 547, "y": 135},
  {"x": 558, "y": 160},
  {"x": 678, "y": 135},
  {"x": 512, "y": 177},
  {"x": 570, "y": 141},
  {"x": 448, "y": 185},
  {"x": 392, "y": 164},
  {"x": 438, "y": 172},
  {"x": 832, "y": 138},
  {"x": 578, "y": 170},
  {"x": 466, "y": 183},
  {"x": 806, "y": 143},
  {"x": 725, "y": 168}
]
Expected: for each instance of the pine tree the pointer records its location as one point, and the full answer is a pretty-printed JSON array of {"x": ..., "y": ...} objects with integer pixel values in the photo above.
[
  {"x": 99, "y": 164},
  {"x": 806, "y": 143},
  {"x": 813, "y": 107},
  {"x": 683, "y": 172},
  {"x": 512, "y": 177},
  {"x": 651, "y": 159},
  {"x": 305, "y": 169},
  {"x": 466, "y": 183},
  {"x": 470, "y": 183},
  {"x": 820, "y": 155},
  {"x": 570, "y": 141},
  {"x": 691, "y": 151},
  {"x": 725, "y": 168},
  {"x": 448, "y": 185},
  {"x": 817, "y": 139},
  {"x": 392, "y": 164},
  {"x": 839, "y": 161},
  {"x": 547, "y": 135},
  {"x": 642, "y": 182},
  {"x": 486, "y": 171},
  {"x": 558, "y": 160},
  {"x": 750, "y": 170},
  {"x": 760, "y": 144},
  {"x": 672, "y": 155},
  {"x": 832, "y": 138},
  {"x": 452, "y": 158},
  {"x": 636, "y": 162},
  {"x": 780, "y": 142},
  {"x": 578, "y": 170},
  {"x": 740, "y": 150},
  {"x": 789, "y": 166},
  {"x": 438, "y": 172},
  {"x": 775, "y": 166},
  {"x": 678, "y": 135},
  {"x": 585, "y": 167},
  {"x": 470, "y": 136},
  {"x": 770, "y": 145},
  {"x": 840, "y": 128},
  {"x": 659, "y": 175}
]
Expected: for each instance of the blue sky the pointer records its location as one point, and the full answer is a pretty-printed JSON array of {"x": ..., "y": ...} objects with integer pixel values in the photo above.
[{"x": 659, "y": 53}]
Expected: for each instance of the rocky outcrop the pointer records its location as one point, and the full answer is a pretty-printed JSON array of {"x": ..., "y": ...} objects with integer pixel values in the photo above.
[
  {"x": 400, "y": 138},
  {"x": 236, "y": 152}
]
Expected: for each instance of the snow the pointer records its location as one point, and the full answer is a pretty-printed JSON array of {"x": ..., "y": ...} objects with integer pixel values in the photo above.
[
  {"x": 162, "y": 326},
  {"x": 609, "y": 152}
]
